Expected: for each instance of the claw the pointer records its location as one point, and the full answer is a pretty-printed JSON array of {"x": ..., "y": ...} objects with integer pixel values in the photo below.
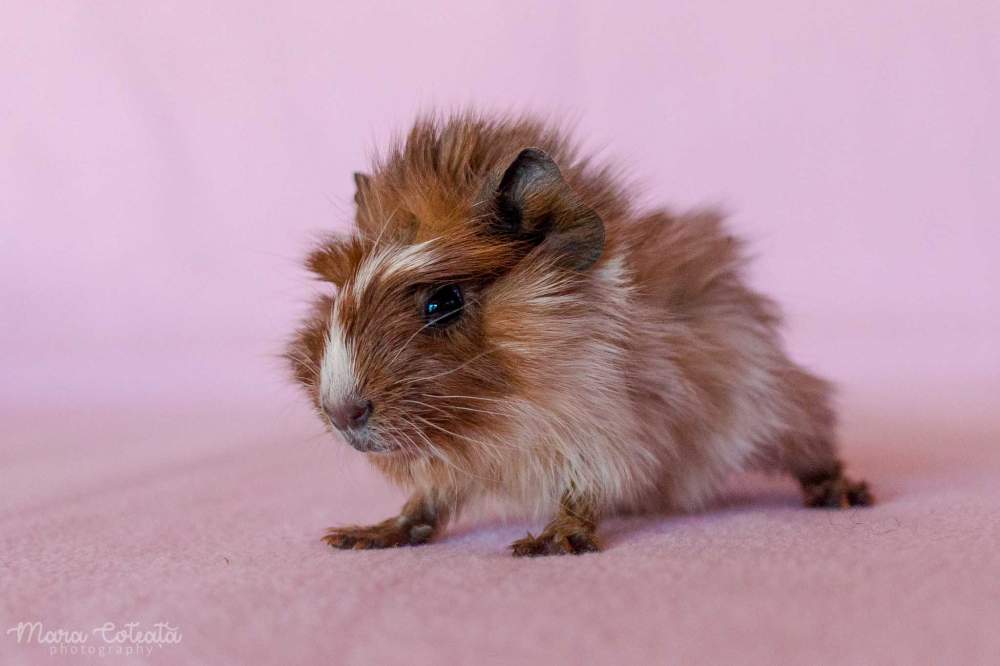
[{"x": 575, "y": 543}]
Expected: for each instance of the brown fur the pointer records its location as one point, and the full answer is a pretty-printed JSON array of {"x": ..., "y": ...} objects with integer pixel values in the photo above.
[{"x": 606, "y": 359}]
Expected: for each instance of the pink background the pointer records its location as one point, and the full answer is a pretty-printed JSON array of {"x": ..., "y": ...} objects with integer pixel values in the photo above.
[{"x": 165, "y": 165}]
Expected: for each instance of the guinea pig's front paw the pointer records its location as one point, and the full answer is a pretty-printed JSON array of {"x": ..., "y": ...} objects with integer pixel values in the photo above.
[
  {"x": 838, "y": 492},
  {"x": 387, "y": 534},
  {"x": 555, "y": 543}
]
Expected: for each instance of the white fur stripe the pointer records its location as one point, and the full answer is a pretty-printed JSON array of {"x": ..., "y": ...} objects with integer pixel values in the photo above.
[
  {"x": 337, "y": 376},
  {"x": 390, "y": 261}
]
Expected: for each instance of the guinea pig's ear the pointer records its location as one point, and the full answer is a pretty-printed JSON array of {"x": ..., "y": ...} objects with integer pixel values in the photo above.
[
  {"x": 333, "y": 259},
  {"x": 362, "y": 183},
  {"x": 532, "y": 202}
]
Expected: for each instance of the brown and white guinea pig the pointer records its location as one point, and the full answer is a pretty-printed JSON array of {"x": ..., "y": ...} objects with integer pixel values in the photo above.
[{"x": 506, "y": 323}]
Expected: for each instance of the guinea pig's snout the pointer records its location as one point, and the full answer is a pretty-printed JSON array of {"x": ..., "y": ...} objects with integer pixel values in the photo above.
[{"x": 351, "y": 414}]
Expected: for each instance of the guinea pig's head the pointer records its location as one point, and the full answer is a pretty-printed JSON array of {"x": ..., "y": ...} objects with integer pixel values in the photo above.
[{"x": 403, "y": 356}]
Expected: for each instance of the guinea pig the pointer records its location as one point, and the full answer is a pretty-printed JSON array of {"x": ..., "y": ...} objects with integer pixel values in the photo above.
[{"x": 504, "y": 322}]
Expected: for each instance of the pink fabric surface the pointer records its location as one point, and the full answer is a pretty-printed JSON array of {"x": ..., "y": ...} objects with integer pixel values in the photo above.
[
  {"x": 209, "y": 519},
  {"x": 164, "y": 166}
]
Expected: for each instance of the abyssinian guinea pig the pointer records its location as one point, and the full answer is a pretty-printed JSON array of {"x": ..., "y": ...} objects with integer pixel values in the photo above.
[{"x": 504, "y": 322}]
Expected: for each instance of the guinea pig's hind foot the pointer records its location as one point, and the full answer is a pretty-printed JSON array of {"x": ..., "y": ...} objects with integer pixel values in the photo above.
[{"x": 387, "y": 534}]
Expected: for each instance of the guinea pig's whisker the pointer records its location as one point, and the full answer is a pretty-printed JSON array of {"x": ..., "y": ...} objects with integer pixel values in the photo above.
[
  {"x": 421, "y": 329},
  {"x": 492, "y": 446},
  {"x": 464, "y": 471},
  {"x": 437, "y": 452},
  {"x": 312, "y": 439},
  {"x": 448, "y": 372},
  {"x": 407, "y": 445},
  {"x": 299, "y": 356},
  {"x": 378, "y": 201},
  {"x": 385, "y": 225},
  {"x": 307, "y": 362},
  {"x": 469, "y": 397},
  {"x": 451, "y": 406},
  {"x": 398, "y": 436},
  {"x": 408, "y": 341}
]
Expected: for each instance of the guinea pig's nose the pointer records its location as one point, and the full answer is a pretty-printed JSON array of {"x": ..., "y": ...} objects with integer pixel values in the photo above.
[{"x": 350, "y": 414}]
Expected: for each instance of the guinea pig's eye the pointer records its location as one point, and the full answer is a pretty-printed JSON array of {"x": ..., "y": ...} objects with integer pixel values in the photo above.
[{"x": 443, "y": 306}]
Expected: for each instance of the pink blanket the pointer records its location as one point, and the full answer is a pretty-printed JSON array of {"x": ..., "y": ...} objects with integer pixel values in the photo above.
[{"x": 209, "y": 520}]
